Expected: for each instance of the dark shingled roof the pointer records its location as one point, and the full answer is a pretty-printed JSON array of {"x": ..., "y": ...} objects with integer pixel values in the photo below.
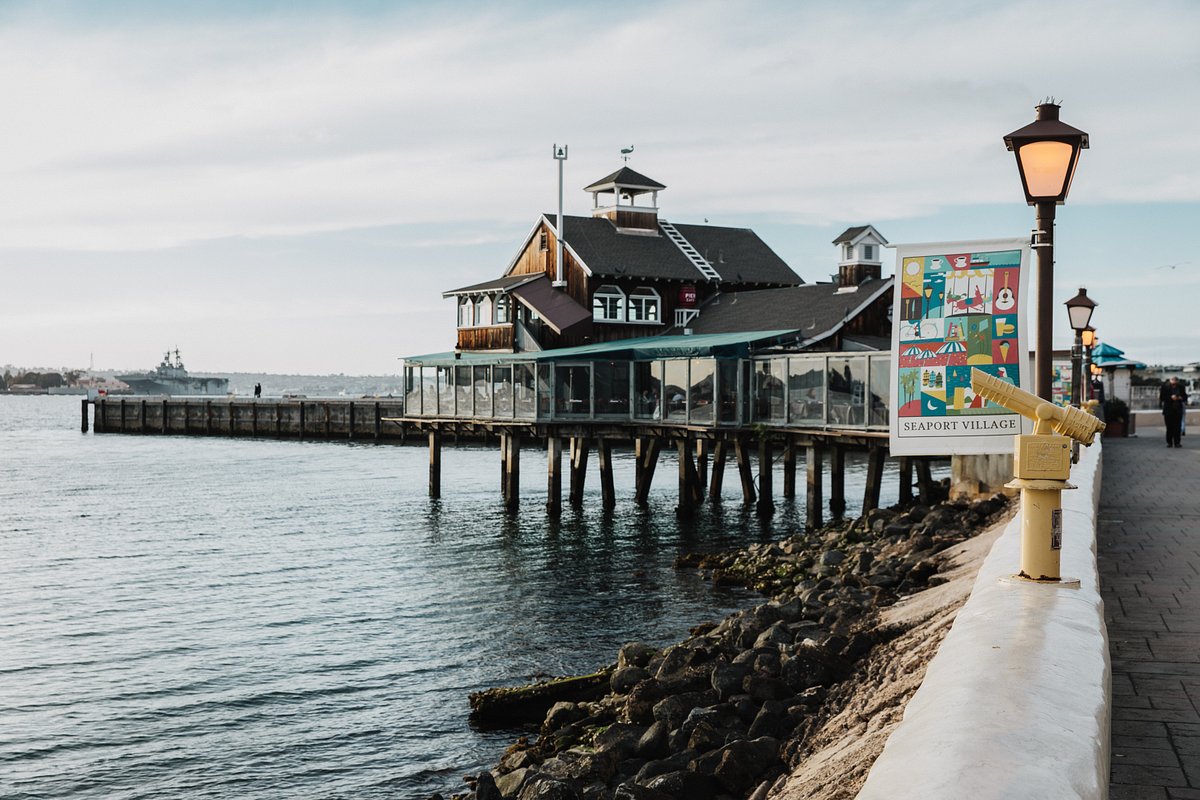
[
  {"x": 555, "y": 308},
  {"x": 815, "y": 309},
  {"x": 737, "y": 254},
  {"x": 504, "y": 284},
  {"x": 626, "y": 177},
  {"x": 850, "y": 234}
]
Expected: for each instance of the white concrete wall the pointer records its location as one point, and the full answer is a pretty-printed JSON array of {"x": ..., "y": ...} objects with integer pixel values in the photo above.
[{"x": 1016, "y": 702}]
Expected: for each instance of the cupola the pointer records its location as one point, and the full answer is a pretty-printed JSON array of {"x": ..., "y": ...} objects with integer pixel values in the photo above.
[
  {"x": 860, "y": 255},
  {"x": 621, "y": 199}
]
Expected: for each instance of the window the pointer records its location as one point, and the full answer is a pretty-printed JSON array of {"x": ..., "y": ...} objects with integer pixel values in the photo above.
[
  {"x": 466, "y": 312},
  {"x": 847, "y": 251},
  {"x": 608, "y": 304},
  {"x": 543, "y": 242},
  {"x": 868, "y": 252},
  {"x": 644, "y": 305},
  {"x": 501, "y": 313},
  {"x": 483, "y": 311}
]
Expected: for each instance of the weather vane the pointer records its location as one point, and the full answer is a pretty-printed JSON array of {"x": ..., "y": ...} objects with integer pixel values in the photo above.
[{"x": 625, "y": 151}]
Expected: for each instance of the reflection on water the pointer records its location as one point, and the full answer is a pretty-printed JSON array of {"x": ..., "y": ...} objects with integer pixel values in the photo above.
[{"x": 214, "y": 617}]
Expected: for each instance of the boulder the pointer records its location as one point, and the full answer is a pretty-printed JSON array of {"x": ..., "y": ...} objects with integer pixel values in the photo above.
[
  {"x": 510, "y": 784},
  {"x": 543, "y": 788},
  {"x": 639, "y": 705},
  {"x": 621, "y": 739},
  {"x": 635, "y": 654},
  {"x": 485, "y": 787},
  {"x": 653, "y": 743},
  {"x": 625, "y": 678},
  {"x": 686, "y": 785},
  {"x": 562, "y": 714}
]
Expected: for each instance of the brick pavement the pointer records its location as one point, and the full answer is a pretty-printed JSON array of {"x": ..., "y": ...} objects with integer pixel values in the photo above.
[{"x": 1149, "y": 554}]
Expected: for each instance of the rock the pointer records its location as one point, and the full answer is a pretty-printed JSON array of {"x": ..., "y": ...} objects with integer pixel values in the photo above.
[
  {"x": 673, "y": 710},
  {"x": 516, "y": 760},
  {"x": 625, "y": 678},
  {"x": 639, "y": 705},
  {"x": 764, "y": 687},
  {"x": 775, "y": 635},
  {"x": 543, "y": 788},
  {"x": 653, "y": 769},
  {"x": 485, "y": 787},
  {"x": 727, "y": 679},
  {"x": 704, "y": 737},
  {"x": 635, "y": 654},
  {"x": 768, "y": 720},
  {"x": 593, "y": 767},
  {"x": 686, "y": 785},
  {"x": 673, "y": 661},
  {"x": 510, "y": 784},
  {"x": 737, "y": 766},
  {"x": 767, "y": 661},
  {"x": 562, "y": 714},
  {"x": 632, "y": 791},
  {"x": 831, "y": 558},
  {"x": 621, "y": 739},
  {"x": 653, "y": 743}
]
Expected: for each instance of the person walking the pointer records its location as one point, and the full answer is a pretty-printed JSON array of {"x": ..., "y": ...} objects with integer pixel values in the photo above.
[{"x": 1172, "y": 399}]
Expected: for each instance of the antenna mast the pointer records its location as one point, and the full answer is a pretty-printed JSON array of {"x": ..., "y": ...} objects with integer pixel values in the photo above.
[{"x": 560, "y": 155}]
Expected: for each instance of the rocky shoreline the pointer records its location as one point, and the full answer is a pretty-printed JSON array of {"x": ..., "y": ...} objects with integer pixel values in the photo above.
[{"x": 730, "y": 711}]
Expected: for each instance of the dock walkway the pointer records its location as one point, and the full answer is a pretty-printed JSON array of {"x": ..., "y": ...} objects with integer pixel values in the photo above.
[{"x": 1149, "y": 557}]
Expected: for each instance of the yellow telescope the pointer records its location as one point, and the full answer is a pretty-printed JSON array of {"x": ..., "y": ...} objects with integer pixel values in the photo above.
[{"x": 1041, "y": 466}]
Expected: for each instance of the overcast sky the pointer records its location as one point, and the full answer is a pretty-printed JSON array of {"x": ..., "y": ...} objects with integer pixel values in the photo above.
[{"x": 290, "y": 186}]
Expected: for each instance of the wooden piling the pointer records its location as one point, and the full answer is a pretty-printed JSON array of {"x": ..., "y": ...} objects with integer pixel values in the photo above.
[
  {"x": 702, "y": 447},
  {"x": 142, "y": 417},
  {"x": 648, "y": 461},
  {"x": 254, "y": 418},
  {"x": 718, "y": 471},
  {"x": 837, "y": 481},
  {"x": 924, "y": 482},
  {"x": 122, "y": 428},
  {"x": 766, "y": 483},
  {"x": 875, "y": 458},
  {"x": 906, "y": 480},
  {"x": 741, "y": 451},
  {"x": 435, "y": 463},
  {"x": 814, "y": 501},
  {"x": 232, "y": 426},
  {"x": 608, "y": 495},
  {"x": 208, "y": 415},
  {"x": 503, "y": 465},
  {"x": 512, "y": 472},
  {"x": 579, "y": 459},
  {"x": 350, "y": 421},
  {"x": 278, "y": 418},
  {"x": 101, "y": 422},
  {"x": 83, "y": 416},
  {"x": 378, "y": 422},
  {"x": 690, "y": 493},
  {"x": 553, "y": 474},
  {"x": 789, "y": 469}
]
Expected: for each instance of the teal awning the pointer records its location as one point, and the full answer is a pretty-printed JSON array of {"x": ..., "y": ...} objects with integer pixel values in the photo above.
[{"x": 644, "y": 348}]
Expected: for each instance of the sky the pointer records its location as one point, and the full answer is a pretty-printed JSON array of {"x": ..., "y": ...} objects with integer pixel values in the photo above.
[{"x": 289, "y": 186}]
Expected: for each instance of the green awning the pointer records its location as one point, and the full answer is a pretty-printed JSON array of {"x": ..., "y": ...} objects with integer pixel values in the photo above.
[{"x": 644, "y": 348}]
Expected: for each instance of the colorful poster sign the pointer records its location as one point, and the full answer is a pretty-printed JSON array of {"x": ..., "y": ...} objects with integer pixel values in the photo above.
[{"x": 957, "y": 306}]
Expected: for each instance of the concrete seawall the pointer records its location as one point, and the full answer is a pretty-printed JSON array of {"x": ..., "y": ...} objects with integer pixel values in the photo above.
[{"x": 1016, "y": 704}]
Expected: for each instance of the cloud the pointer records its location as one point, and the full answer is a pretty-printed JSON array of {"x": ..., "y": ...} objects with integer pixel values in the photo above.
[{"x": 157, "y": 131}]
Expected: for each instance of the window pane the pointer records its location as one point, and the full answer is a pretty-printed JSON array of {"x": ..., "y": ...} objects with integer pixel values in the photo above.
[
  {"x": 769, "y": 378},
  {"x": 806, "y": 390},
  {"x": 846, "y": 390},
  {"x": 543, "y": 391},
  {"x": 502, "y": 392},
  {"x": 647, "y": 385},
  {"x": 412, "y": 391},
  {"x": 612, "y": 387},
  {"x": 727, "y": 372},
  {"x": 483, "y": 392},
  {"x": 462, "y": 384},
  {"x": 700, "y": 391},
  {"x": 675, "y": 382},
  {"x": 880, "y": 389},
  {"x": 572, "y": 391},
  {"x": 445, "y": 394},
  {"x": 524, "y": 391}
]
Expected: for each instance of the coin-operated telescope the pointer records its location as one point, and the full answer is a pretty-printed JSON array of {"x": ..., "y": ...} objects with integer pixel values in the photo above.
[{"x": 1041, "y": 466}]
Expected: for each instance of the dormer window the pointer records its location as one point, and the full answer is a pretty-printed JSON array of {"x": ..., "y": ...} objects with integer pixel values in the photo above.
[
  {"x": 466, "y": 312},
  {"x": 483, "y": 311},
  {"x": 868, "y": 252},
  {"x": 847, "y": 251},
  {"x": 608, "y": 304},
  {"x": 644, "y": 305}
]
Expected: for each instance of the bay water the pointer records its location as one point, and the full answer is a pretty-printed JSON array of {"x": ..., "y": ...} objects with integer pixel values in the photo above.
[{"x": 213, "y": 618}]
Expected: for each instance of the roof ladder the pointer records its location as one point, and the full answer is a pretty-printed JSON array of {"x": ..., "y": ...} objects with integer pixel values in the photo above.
[{"x": 685, "y": 247}]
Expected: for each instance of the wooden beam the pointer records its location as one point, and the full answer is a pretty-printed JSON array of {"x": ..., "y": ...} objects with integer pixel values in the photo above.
[
  {"x": 512, "y": 473},
  {"x": 83, "y": 420},
  {"x": 579, "y": 458},
  {"x": 741, "y": 451},
  {"x": 906, "y": 480},
  {"x": 837, "y": 481},
  {"x": 924, "y": 482},
  {"x": 608, "y": 496},
  {"x": 300, "y": 432},
  {"x": 875, "y": 458},
  {"x": 814, "y": 501},
  {"x": 766, "y": 483},
  {"x": 553, "y": 474},
  {"x": 648, "y": 462},
  {"x": 435, "y": 463},
  {"x": 702, "y": 448},
  {"x": 503, "y": 465},
  {"x": 350, "y": 421},
  {"x": 718, "y": 471},
  {"x": 378, "y": 421},
  {"x": 254, "y": 418}
]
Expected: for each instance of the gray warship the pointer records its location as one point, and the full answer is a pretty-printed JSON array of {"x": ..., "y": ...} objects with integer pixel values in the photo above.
[{"x": 170, "y": 377}]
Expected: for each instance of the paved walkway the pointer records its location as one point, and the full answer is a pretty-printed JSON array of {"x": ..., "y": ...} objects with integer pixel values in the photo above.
[{"x": 1149, "y": 552}]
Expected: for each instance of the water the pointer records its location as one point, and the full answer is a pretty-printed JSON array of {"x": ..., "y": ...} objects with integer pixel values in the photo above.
[{"x": 215, "y": 618}]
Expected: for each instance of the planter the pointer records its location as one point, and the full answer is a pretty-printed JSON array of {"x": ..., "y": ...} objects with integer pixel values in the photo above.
[{"x": 1116, "y": 429}]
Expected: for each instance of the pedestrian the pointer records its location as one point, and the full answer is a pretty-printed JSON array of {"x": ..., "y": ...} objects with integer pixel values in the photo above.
[
  {"x": 257, "y": 390},
  {"x": 1172, "y": 399}
]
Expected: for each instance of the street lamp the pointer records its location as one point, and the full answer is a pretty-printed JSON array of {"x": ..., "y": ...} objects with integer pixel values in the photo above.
[
  {"x": 1047, "y": 153},
  {"x": 1089, "y": 341},
  {"x": 1079, "y": 310}
]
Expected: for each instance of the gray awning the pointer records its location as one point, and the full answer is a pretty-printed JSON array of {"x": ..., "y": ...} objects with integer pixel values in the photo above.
[{"x": 556, "y": 308}]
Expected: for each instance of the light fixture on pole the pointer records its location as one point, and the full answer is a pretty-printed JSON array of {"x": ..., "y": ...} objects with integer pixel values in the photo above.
[
  {"x": 1047, "y": 152},
  {"x": 1079, "y": 310},
  {"x": 1089, "y": 341}
]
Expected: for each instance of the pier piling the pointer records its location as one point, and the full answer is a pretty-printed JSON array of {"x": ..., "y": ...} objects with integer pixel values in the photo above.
[
  {"x": 766, "y": 474},
  {"x": 553, "y": 474},
  {"x": 435, "y": 464},
  {"x": 814, "y": 501},
  {"x": 837, "y": 481},
  {"x": 875, "y": 458},
  {"x": 608, "y": 495},
  {"x": 741, "y": 451}
]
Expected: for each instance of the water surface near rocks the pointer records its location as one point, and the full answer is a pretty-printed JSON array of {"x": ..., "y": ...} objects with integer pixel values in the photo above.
[{"x": 205, "y": 617}]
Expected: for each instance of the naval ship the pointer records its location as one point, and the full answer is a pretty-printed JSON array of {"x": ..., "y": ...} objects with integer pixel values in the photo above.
[{"x": 170, "y": 377}]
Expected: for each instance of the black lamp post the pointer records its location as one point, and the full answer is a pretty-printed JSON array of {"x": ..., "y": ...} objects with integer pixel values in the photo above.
[
  {"x": 1089, "y": 341},
  {"x": 1079, "y": 310},
  {"x": 1047, "y": 153}
]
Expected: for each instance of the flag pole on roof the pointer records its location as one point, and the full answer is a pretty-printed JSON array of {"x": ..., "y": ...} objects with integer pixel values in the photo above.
[{"x": 560, "y": 155}]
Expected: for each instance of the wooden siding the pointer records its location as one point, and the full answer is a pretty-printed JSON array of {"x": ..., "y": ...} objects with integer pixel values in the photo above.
[{"x": 492, "y": 337}]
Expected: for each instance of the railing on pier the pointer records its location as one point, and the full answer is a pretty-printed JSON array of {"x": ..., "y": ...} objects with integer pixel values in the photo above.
[{"x": 845, "y": 390}]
